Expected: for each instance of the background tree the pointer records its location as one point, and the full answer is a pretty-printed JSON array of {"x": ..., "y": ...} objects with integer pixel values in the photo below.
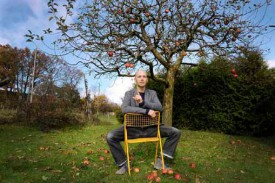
[
  {"x": 234, "y": 97},
  {"x": 118, "y": 37},
  {"x": 9, "y": 59}
]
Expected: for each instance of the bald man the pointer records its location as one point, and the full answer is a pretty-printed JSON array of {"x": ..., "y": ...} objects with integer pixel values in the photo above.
[{"x": 144, "y": 101}]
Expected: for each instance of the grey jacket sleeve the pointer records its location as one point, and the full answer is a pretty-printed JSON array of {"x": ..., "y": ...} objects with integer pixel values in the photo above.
[
  {"x": 154, "y": 103},
  {"x": 127, "y": 105}
]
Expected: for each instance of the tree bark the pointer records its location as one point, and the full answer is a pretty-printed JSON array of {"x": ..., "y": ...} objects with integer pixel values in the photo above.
[{"x": 168, "y": 98}]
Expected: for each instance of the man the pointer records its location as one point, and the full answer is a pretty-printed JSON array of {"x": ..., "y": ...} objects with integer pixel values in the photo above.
[{"x": 144, "y": 101}]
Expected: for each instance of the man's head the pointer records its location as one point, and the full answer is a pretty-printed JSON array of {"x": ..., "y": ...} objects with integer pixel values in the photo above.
[{"x": 141, "y": 78}]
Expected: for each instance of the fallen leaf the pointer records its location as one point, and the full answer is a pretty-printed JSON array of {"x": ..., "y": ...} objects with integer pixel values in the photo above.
[
  {"x": 197, "y": 180},
  {"x": 44, "y": 178}
]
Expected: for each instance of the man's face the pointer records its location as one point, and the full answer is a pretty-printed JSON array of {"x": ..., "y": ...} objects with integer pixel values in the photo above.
[{"x": 141, "y": 79}]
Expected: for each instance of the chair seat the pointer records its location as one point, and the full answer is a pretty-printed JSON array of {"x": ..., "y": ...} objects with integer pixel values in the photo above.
[{"x": 138, "y": 140}]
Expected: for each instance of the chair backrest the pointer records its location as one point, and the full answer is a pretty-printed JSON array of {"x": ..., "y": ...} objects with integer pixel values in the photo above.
[{"x": 141, "y": 120}]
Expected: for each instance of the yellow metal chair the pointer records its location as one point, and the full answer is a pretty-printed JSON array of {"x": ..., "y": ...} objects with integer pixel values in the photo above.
[{"x": 139, "y": 121}]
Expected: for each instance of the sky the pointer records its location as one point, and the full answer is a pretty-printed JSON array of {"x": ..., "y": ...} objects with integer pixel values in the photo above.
[{"x": 19, "y": 16}]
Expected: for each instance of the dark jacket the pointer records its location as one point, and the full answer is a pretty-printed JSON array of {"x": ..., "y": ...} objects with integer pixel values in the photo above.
[{"x": 151, "y": 101}]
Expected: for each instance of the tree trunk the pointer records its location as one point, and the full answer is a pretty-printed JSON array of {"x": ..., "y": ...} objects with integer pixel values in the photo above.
[{"x": 168, "y": 98}]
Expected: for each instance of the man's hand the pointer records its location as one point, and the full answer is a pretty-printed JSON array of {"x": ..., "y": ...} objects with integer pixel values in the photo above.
[
  {"x": 152, "y": 113},
  {"x": 138, "y": 98}
]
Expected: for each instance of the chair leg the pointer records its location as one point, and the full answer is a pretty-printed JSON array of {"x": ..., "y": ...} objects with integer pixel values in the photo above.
[
  {"x": 156, "y": 154},
  {"x": 128, "y": 158},
  {"x": 161, "y": 154}
]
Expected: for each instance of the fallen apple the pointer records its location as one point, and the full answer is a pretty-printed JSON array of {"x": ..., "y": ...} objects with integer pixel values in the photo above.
[
  {"x": 170, "y": 171},
  {"x": 102, "y": 158},
  {"x": 272, "y": 158},
  {"x": 150, "y": 177},
  {"x": 90, "y": 152},
  {"x": 157, "y": 179},
  {"x": 86, "y": 162},
  {"x": 164, "y": 171},
  {"x": 155, "y": 173},
  {"x": 178, "y": 176},
  {"x": 192, "y": 165},
  {"x": 232, "y": 142},
  {"x": 106, "y": 151},
  {"x": 136, "y": 169}
]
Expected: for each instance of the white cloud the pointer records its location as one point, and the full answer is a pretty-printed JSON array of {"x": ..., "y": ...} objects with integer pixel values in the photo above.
[
  {"x": 271, "y": 63},
  {"x": 116, "y": 92}
]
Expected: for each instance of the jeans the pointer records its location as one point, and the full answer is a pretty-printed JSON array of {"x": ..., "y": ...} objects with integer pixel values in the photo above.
[{"x": 116, "y": 136}]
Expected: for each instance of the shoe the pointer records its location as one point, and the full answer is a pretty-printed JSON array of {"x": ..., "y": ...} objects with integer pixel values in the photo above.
[
  {"x": 158, "y": 165},
  {"x": 122, "y": 170}
]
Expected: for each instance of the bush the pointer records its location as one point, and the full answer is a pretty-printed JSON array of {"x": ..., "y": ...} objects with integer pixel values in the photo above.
[
  {"x": 119, "y": 116},
  {"x": 208, "y": 97}
]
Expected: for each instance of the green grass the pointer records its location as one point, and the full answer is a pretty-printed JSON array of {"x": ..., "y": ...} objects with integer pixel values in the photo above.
[{"x": 28, "y": 155}]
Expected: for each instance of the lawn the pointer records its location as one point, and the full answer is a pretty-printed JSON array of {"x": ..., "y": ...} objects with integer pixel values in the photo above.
[{"x": 29, "y": 155}]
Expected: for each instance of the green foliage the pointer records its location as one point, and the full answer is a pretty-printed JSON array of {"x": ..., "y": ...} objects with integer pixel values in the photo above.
[
  {"x": 119, "y": 116},
  {"x": 209, "y": 97}
]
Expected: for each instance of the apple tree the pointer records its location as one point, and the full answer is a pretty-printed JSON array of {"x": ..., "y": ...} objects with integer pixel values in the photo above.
[{"x": 122, "y": 36}]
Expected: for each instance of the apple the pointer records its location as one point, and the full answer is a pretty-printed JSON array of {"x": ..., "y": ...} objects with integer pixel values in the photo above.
[
  {"x": 167, "y": 11},
  {"x": 184, "y": 53},
  {"x": 238, "y": 30},
  {"x": 201, "y": 53},
  {"x": 235, "y": 75},
  {"x": 102, "y": 158},
  {"x": 239, "y": 141},
  {"x": 106, "y": 151},
  {"x": 232, "y": 142},
  {"x": 157, "y": 179},
  {"x": 155, "y": 173},
  {"x": 170, "y": 171},
  {"x": 178, "y": 176},
  {"x": 119, "y": 11},
  {"x": 218, "y": 22},
  {"x": 192, "y": 165},
  {"x": 110, "y": 53},
  {"x": 164, "y": 171},
  {"x": 226, "y": 22},
  {"x": 127, "y": 64},
  {"x": 272, "y": 158},
  {"x": 86, "y": 162},
  {"x": 128, "y": 10},
  {"x": 132, "y": 20},
  {"x": 150, "y": 177},
  {"x": 234, "y": 39},
  {"x": 213, "y": 8},
  {"x": 147, "y": 14},
  {"x": 90, "y": 152},
  {"x": 131, "y": 65},
  {"x": 136, "y": 169},
  {"x": 233, "y": 71}
]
